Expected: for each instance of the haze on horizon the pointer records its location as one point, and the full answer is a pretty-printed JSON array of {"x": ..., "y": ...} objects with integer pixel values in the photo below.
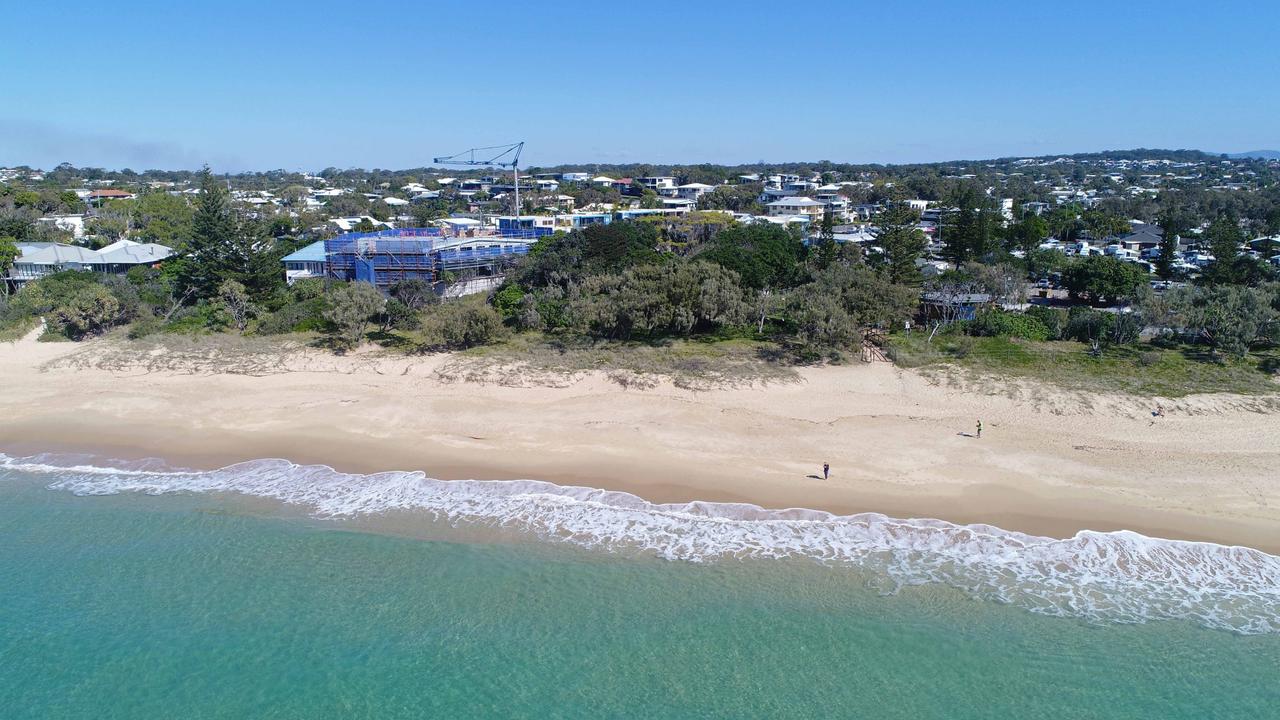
[{"x": 302, "y": 86}]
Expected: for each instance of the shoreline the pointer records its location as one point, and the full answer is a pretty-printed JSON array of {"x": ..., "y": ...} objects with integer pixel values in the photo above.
[
  {"x": 1020, "y": 509},
  {"x": 896, "y": 442}
]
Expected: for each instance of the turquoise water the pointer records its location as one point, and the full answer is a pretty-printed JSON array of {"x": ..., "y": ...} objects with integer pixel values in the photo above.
[{"x": 207, "y": 605}]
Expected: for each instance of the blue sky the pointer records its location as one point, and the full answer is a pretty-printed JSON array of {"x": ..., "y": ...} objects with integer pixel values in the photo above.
[{"x": 306, "y": 85}]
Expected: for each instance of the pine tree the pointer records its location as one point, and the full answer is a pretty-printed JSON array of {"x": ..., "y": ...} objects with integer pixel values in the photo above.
[
  {"x": 208, "y": 262},
  {"x": 1224, "y": 238},
  {"x": 903, "y": 243},
  {"x": 255, "y": 260},
  {"x": 971, "y": 233},
  {"x": 827, "y": 250}
]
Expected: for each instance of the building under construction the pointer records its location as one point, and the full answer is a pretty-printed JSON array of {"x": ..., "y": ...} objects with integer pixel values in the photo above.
[{"x": 387, "y": 257}]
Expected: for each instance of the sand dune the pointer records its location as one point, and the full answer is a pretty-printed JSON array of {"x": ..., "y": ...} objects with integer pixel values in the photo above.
[{"x": 1049, "y": 461}]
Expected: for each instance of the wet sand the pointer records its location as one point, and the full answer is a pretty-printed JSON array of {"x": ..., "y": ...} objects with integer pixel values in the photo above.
[{"x": 1050, "y": 462}]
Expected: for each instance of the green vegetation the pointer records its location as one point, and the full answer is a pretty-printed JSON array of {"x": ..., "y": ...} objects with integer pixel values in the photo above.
[
  {"x": 610, "y": 283},
  {"x": 553, "y": 359},
  {"x": 676, "y": 290},
  {"x": 74, "y": 304},
  {"x": 1153, "y": 370},
  {"x": 1102, "y": 280}
]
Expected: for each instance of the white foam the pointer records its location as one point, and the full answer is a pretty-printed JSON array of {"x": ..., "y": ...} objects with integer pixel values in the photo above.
[{"x": 1108, "y": 577}]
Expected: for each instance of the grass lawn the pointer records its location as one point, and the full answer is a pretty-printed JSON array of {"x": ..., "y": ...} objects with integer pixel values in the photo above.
[{"x": 1143, "y": 369}]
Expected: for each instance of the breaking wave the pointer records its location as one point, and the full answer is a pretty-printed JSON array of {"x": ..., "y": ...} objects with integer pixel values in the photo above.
[{"x": 1100, "y": 576}]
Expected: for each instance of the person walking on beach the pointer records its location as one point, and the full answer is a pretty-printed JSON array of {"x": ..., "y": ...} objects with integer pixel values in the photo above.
[
  {"x": 826, "y": 471},
  {"x": 979, "y": 428}
]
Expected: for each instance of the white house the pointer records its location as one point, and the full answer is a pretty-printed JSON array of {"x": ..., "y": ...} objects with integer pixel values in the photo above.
[
  {"x": 73, "y": 224},
  {"x": 39, "y": 259},
  {"x": 693, "y": 191},
  {"x": 658, "y": 182},
  {"x": 304, "y": 263},
  {"x": 347, "y": 224},
  {"x": 836, "y": 203},
  {"x": 801, "y": 206}
]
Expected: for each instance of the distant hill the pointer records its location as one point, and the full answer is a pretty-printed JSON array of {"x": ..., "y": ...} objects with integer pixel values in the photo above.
[{"x": 1256, "y": 155}]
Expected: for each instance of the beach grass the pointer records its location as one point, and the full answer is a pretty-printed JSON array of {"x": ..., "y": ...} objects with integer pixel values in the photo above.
[
  {"x": 692, "y": 364},
  {"x": 17, "y": 330},
  {"x": 1144, "y": 369}
]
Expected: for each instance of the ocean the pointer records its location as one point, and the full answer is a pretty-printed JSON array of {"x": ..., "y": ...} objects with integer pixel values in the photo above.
[{"x": 271, "y": 590}]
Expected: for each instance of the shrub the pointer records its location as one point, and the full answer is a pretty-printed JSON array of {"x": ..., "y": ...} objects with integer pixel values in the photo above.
[
  {"x": 461, "y": 324},
  {"x": 1054, "y": 320},
  {"x": 126, "y": 294},
  {"x": 673, "y": 298},
  {"x": 198, "y": 319},
  {"x": 144, "y": 327},
  {"x": 1000, "y": 323},
  {"x": 416, "y": 294},
  {"x": 399, "y": 316},
  {"x": 1087, "y": 325},
  {"x": 88, "y": 311},
  {"x": 304, "y": 316},
  {"x": 509, "y": 301},
  {"x": 306, "y": 289},
  {"x": 349, "y": 309}
]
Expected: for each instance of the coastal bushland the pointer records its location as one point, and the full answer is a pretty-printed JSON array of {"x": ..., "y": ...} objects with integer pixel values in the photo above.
[{"x": 672, "y": 289}]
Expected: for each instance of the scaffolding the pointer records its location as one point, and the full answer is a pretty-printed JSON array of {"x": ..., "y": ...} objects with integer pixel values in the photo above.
[{"x": 390, "y": 256}]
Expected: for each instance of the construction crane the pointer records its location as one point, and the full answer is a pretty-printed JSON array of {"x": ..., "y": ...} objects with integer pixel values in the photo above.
[{"x": 495, "y": 156}]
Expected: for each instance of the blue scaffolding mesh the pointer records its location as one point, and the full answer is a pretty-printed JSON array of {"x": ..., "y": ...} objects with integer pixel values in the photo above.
[{"x": 389, "y": 256}]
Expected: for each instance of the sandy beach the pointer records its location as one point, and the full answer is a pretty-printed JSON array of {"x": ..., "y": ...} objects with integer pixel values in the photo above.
[{"x": 1049, "y": 462}]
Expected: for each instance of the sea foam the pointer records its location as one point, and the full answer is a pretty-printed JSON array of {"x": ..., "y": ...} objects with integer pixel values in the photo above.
[{"x": 1104, "y": 577}]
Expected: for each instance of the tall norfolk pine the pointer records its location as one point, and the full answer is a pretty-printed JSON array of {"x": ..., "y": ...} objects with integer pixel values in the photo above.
[
  {"x": 903, "y": 243},
  {"x": 224, "y": 247}
]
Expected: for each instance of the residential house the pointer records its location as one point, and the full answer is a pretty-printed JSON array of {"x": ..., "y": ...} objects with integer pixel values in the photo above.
[
  {"x": 97, "y": 196},
  {"x": 348, "y": 224},
  {"x": 536, "y": 224},
  {"x": 304, "y": 263},
  {"x": 693, "y": 191},
  {"x": 73, "y": 224},
  {"x": 948, "y": 306},
  {"x": 797, "y": 206},
  {"x": 35, "y": 260},
  {"x": 1143, "y": 237},
  {"x": 657, "y": 183},
  {"x": 836, "y": 203},
  {"x": 638, "y": 212}
]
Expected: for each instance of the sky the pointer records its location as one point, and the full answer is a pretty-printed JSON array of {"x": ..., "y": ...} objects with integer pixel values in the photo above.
[{"x": 251, "y": 85}]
